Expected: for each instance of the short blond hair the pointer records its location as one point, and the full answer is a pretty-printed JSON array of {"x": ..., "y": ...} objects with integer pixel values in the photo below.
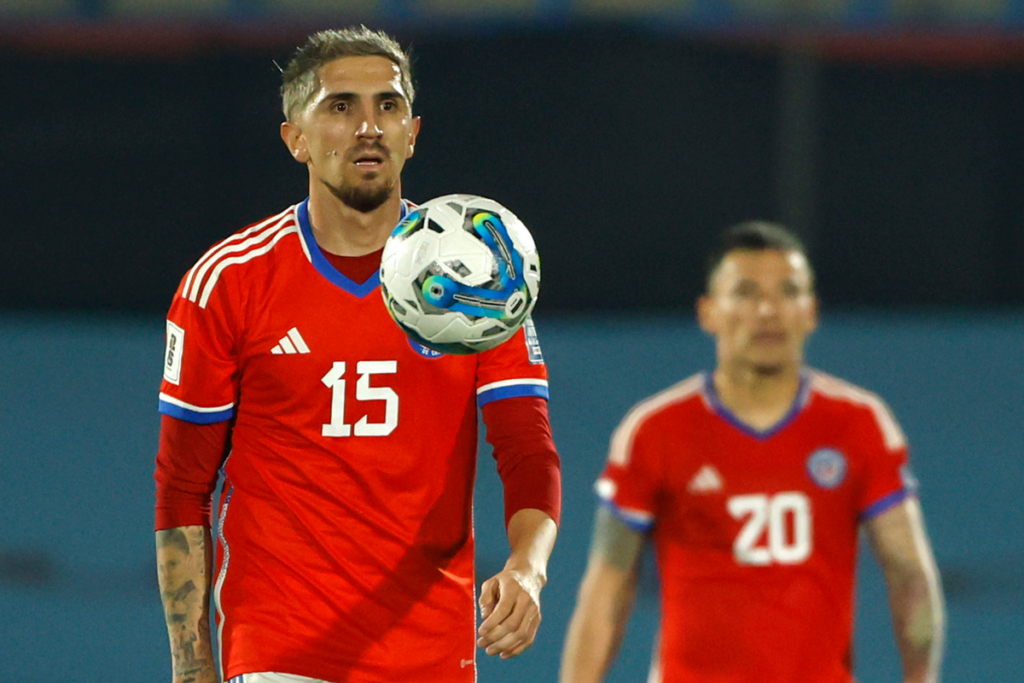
[{"x": 301, "y": 79}]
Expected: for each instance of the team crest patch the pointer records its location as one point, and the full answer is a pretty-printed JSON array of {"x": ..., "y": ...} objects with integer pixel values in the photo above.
[
  {"x": 532, "y": 343},
  {"x": 827, "y": 467},
  {"x": 424, "y": 351}
]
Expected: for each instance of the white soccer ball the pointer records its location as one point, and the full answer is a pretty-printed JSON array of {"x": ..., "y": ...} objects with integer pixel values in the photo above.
[{"x": 460, "y": 274}]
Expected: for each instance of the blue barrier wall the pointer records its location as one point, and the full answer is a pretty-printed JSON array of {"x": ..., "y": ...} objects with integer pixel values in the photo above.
[{"x": 78, "y": 430}]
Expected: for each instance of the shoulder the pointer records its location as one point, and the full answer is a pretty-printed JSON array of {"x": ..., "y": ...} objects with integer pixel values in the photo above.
[
  {"x": 653, "y": 411},
  {"x": 861, "y": 404},
  {"x": 245, "y": 246}
]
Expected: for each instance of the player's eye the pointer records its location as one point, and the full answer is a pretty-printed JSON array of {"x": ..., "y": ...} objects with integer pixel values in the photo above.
[
  {"x": 790, "y": 289},
  {"x": 745, "y": 290},
  {"x": 389, "y": 105},
  {"x": 340, "y": 106}
]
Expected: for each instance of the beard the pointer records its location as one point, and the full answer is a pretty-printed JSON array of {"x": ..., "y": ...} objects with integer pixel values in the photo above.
[
  {"x": 362, "y": 199},
  {"x": 768, "y": 369}
]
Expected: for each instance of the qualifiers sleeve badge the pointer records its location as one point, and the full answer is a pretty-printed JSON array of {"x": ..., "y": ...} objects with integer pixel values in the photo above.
[
  {"x": 827, "y": 467},
  {"x": 172, "y": 355},
  {"x": 532, "y": 342}
]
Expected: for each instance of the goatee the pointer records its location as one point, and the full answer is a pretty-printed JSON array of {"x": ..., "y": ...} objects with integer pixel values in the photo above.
[{"x": 363, "y": 200}]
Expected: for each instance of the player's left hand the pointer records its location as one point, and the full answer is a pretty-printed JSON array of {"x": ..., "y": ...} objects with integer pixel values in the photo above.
[{"x": 510, "y": 609}]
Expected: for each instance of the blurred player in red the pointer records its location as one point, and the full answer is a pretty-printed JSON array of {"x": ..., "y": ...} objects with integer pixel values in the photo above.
[
  {"x": 752, "y": 483},
  {"x": 348, "y": 452}
]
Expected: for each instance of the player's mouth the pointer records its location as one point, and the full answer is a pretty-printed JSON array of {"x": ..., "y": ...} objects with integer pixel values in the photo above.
[
  {"x": 769, "y": 337},
  {"x": 370, "y": 159}
]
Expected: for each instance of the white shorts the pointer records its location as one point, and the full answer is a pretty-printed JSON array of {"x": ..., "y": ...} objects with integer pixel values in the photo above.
[{"x": 271, "y": 677}]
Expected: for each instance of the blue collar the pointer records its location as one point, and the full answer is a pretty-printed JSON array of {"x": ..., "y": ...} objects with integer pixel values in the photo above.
[
  {"x": 802, "y": 394},
  {"x": 325, "y": 268}
]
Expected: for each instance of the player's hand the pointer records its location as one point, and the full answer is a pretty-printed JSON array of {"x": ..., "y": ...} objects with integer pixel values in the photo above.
[{"x": 510, "y": 609}]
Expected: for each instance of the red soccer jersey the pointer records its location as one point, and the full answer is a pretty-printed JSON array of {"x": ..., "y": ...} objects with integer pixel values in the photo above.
[
  {"x": 755, "y": 533},
  {"x": 345, "y": 528}
]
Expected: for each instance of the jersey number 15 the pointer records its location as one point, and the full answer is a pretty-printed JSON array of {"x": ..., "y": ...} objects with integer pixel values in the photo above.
[{"x": 335, "y": 381}]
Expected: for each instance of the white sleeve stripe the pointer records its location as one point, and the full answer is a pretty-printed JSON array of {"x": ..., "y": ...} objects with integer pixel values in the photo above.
[
  {"x": 188, "y": 406},
  {"x": 837, "y": 388},
  {"x": 236, "y": 247},
  {"x": 622, "y": 439},
  {"x": 510, "y": 383},
  {"x": 248, "y": 256},
  {"x": 213, "y": 251}
]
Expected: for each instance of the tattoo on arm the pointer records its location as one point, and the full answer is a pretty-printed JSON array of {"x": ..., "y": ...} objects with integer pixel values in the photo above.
[
  {"x": 901, "y": 545},
  {"x": 183, "y": 560},
  {"x": 615, "y": 542}
]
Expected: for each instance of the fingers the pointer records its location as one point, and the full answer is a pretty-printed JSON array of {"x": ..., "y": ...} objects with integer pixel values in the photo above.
[
  {"x": 489, "y": 593},
  {"x": 510, "y": 625},
  {"x": 510, "y": 642}
]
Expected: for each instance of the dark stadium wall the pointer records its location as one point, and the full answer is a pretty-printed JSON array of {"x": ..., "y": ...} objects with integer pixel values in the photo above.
[{"x": 624, "y": 151}]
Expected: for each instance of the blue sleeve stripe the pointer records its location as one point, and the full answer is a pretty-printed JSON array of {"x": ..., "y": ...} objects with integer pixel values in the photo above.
[
  {"x": 884, "y": 503},
  {"x": 512, "y": 391},
  {"x": 195, "y": 417},
  {"x": 637, "y": 521}
]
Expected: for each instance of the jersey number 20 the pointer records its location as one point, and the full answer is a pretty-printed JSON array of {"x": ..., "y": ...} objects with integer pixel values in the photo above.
[{"x": 776, "y": 529}]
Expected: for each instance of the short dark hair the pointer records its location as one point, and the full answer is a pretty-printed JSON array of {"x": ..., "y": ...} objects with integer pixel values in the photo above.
[
  {"x": 301, "y": 76},
  {"x": 753, "y": 236}
]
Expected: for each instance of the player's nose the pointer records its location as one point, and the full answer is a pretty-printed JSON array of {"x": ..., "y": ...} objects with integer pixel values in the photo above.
[
  {"x": 767, "y": 306},
  {"x": 369, "y": 126}
]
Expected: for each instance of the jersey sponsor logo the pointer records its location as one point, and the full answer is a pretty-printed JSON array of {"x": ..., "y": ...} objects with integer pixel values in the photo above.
[
  {"x": 532, "y": 342},
  {"x": 827, "y": 467},
  {"x": 707, "y": 480},
  {"x": 465, "y": 662},
  {"x": 291, "y": 343},
  {"x": 424, "y": 351},
  {"x": 172, "y": 355}
]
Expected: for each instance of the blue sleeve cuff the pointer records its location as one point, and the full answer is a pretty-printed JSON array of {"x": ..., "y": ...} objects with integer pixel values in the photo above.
[
  {"x": 634, "y": 519},
  {"x": 199, "y": 417},
  {"x": 884, "y": 503},
  {"x": 511, "y": 391}
]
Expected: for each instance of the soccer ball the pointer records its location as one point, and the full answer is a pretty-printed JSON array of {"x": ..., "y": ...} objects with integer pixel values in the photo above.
[{"x": 460, "y": 274}]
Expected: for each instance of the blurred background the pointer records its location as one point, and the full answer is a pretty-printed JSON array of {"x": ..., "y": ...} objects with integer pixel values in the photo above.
[{"x": 626, "y": 134}]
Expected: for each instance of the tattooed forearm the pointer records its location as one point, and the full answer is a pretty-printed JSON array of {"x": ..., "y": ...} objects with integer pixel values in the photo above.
[
  {"x": 614, "y": 542},
  {"x": 183, "y": 566},
  {"x": 901, "y": 545}
]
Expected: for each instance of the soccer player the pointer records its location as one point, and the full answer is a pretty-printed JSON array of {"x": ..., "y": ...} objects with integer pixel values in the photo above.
[
  {"x": 752, "y": 483},
  {"x": 344, "y": 527}
]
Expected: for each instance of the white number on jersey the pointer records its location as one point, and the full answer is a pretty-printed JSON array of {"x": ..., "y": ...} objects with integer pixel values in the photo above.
[
  {"x": 335, "y": 381},
  {"x": 765, "y": 537}
]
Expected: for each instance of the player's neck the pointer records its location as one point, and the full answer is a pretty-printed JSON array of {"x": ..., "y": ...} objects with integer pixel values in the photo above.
[
  {"x": 757, "y": 399},
  {"x": 341, "y": 230}
]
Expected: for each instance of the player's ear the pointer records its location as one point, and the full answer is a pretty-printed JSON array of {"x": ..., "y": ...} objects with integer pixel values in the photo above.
[
  {"x": 705, "y": 315},
  {"x": 813, "y": 317},
  {"x": 295, "y": 141},
  {"x": 414, "y": 131}
]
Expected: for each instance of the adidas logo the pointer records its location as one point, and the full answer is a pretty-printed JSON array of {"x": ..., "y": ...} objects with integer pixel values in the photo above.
[
  {"x": 291, "y": 343},
  {"x": 706, "y": 480}
]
